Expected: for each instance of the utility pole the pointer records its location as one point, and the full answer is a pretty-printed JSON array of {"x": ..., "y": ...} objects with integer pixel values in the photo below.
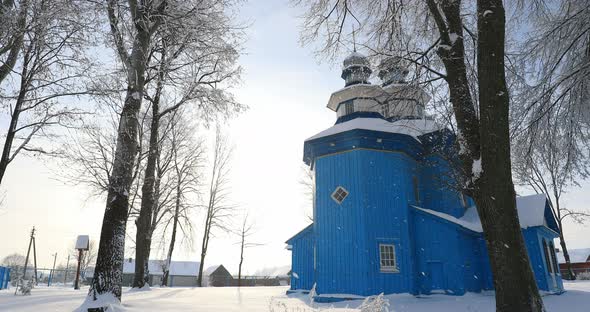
[
  {"x": 35, "y": 261},
  {"x": 52, "y": 273},
  {"x": 67, "y": 268},
  {"x": 31, "y": 239}
]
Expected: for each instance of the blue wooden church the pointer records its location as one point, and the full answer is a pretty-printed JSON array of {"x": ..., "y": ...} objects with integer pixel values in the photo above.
[{"x": 386, "y": 217}]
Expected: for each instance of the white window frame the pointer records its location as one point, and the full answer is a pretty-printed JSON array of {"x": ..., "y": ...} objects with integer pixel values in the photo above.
[
  {"x": 391, "y": 257},
  {"x": 339, "y": 201}
]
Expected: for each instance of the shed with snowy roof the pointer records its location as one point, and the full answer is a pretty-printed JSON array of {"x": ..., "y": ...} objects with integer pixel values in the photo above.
[
  {"x": 181, "y": 273},
  {"x": 386, "y": 217}
]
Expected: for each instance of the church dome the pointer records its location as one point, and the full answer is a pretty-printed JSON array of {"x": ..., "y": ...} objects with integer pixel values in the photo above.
[
  {"x": 356, "y": 69},
  {"x": 356, "y": 59},
  {"x": 392, "y": 70}
]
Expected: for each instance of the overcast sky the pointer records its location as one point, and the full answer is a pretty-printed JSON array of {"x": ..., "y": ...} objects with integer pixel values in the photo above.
[{"x": 287, "y": 90}]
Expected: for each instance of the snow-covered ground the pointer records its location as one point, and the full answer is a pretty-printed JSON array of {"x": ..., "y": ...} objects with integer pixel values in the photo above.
[{"x": 257, "y": 299}]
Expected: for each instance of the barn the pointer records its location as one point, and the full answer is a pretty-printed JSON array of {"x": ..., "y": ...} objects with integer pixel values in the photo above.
[{"x": 386, "y": 218}]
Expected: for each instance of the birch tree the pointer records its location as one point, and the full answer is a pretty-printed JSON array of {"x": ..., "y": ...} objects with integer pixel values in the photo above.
[
  {"x": 218, "y": 208},
  {"x": 452, "y": 42}
]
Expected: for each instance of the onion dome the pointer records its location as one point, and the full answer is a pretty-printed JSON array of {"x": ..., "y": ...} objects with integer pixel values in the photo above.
[
  {"x": 356, "y": 69},
  {"x": 392, "y": 70}
]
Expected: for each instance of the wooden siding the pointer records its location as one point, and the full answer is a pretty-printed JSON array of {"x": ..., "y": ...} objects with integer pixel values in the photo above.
[
  {"x": 341, "y": 247},
  {"x": 302, "y": 261},
  {"x": 375, "y": 211},
  {"x": 439, "y": 257},
  {"x": 534, "y": 242},
  {"x": 340, "y": 252},
  {"x": 436, "y": 181},
  {"x": 388, "y": 191}
]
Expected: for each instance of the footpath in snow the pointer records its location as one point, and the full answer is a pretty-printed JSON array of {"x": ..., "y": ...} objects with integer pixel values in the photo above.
[{"x": 273, "y": 299}]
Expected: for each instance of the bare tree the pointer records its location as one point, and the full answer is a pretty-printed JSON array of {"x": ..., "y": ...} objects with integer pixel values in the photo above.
[
  {"x": 188, "y": 68},
  {"x": 551, "y": 166},
  {"x": 50, "y": 71},
  {"x": 551, "y": 131},
  {"x": 14, "y": 260},
  {"x": 187, "y": 162},
  {"x": 218, "y": 208},
  {"x": 455, "y": 41},
  {"x": 88, "y": 256},
  {"x": 245, "y": 232},
  {"x": 144, "y": 19},
  {"x": 307, "y": 182}
]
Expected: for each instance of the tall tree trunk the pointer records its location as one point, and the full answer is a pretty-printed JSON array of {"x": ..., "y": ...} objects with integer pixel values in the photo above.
[
  {"x": 144, "y": 222},
  {"x": 203, "y": 253},
  {"x": 108, "y": 275},
  {"x": 514, "y": 282},
  {"x": 452, "y": 54},
  {"x": 566, "y": 255},
  {"x": 143, "y": 237},
  {"x": 173, "y": 238},
  {"x": 5, "y": 159}
]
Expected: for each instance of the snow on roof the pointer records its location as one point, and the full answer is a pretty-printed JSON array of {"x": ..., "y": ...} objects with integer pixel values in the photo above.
[
  {"x": 186, "y": 268},
  {"x": 411, "y": 127},
  {"x": 576, "y": 255},
  {"x": 210, "y": 269},
  {"x": 531, "y": 212},
  {"x": 474, "y": 226}
]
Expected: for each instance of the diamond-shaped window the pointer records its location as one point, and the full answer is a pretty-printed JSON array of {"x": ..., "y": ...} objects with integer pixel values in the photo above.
[{"x": 339, "y": 194}]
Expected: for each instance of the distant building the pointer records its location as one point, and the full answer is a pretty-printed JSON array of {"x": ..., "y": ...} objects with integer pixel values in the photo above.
[
  {"x": 182, "y": 273},
  {"x": 386, "y": 217},
  {"x": 273, "y": 276},
  {"x": 220, "y": 277},
  {"x": 580, "y": 260}
]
